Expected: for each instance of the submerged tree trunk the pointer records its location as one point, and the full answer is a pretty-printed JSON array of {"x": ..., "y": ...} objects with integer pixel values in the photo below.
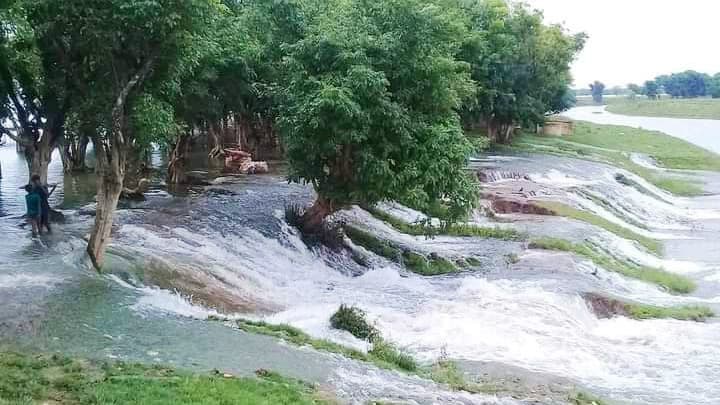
[
  {"x": 38, "y": 156},
  {"x": 177, "y": 166},
  {"x": 313, "y": 220},
  {"x": 215, "y": 143},
  {"x": 73, "y": 154},
  {"x": 111, "y": 162}
]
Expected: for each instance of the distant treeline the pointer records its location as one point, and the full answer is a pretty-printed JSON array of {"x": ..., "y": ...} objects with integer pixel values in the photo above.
[{"x": 687, "y": 84}]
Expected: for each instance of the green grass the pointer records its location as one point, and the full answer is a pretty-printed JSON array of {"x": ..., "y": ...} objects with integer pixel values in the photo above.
[
  {"x": 683, "y": 313},
  {"x": 706, "y": 108},
  {"x": 583, "y": 398},
  {"x": 670, "y": 281},
  {"x": 354, "y": 320},
  {"x": 383, "y": 355},
  {"x": 417, "y": 263},
  {"x": 461, "y": 230},
  {"x": 564, "y": 210},
  {"x": 53, "y": 379},
  {"x": 613, "y": 144}
]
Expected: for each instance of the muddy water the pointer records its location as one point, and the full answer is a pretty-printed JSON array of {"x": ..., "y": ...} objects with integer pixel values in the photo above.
[{"x": 226, "y": 247}]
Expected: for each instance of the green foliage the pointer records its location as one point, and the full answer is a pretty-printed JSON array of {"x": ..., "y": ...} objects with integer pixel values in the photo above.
[
  {"x": 447, "y": 372},
  {"x": 367, "y": 117},
  {"x": 583, "y": 398},
  {"x": 372, "y": 243},
  {"x": 28, "y": 379},
  {"x": 597, "y": 89},
  {"x": 687, "y": 84},
  {"x": 354, "y": 320},
  {"x": 672, "y": 282},
  {"x": 520, "y": 65}
]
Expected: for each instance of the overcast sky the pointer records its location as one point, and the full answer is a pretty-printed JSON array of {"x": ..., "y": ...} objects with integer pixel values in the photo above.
[{"x": 635, "y": 40}]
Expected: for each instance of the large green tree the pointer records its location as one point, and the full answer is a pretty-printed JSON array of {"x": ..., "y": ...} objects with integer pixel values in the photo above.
[
  {"x": 126, "y": 45},
  {"x": 521, "y": 66},
  {"x": 368, "y": 107}
]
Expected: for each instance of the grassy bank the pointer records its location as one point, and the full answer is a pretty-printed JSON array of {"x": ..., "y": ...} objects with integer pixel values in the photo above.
[
  {"x": 705, "y": 108},
  {"x": 432, "y": 265},
  {"x": 460, "y": 230},
  {"x": 570, "y": 212},
  {"x": 53, "y": 379},
  {"x": 683, "y": 313},
  {"x": 613, "y": 144},
  {"x": 672, "y": 282}
]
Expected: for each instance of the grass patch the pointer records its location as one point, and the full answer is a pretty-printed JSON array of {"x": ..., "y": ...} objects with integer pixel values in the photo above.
[
  {"x": 385, "y": 356},
  {"x": 590, "y": 218},
  {"x": 354, "y": 320},
  {"x": 26, "y": 379},
  {"x": 612, "y": 144},
  {"x": 583, "y": 398},
  {"x": 705, "y": 108},
  {"x": 461, "y": 230},
  {"x": 447, "y": 372},
  {"x": 672, "y": 282},
  {"x": 417, "y": 263},
  {"x": 683, "y": 313}
]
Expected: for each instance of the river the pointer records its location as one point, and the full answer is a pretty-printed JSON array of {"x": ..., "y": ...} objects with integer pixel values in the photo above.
[
  {"x": 226, "y": 246},
  {"x": 701, "y": 132}
]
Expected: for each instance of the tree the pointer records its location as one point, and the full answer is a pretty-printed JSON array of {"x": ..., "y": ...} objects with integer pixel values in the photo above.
[
  {"x": 36, "y": 68},
  {"x": 520, "y": 66},
  {"x": 597, "y": 89},
  {"x": 634, "y": 88},
  {"x": 651, "y": 89},
  {"x": 367, "y": 117},
  {"x": 125, "y": 45},
  {"x": 714, "y": 86}
]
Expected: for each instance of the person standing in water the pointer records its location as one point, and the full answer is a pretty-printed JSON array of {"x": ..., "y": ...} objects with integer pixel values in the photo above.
[
  {"x": 34, "y": 208},
  {"x": 44, "y": 194}
]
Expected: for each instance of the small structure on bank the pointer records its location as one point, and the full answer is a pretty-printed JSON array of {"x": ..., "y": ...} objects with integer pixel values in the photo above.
[
  {"x": 239, "y": 161},
  {"x": 557, "y": 126}
]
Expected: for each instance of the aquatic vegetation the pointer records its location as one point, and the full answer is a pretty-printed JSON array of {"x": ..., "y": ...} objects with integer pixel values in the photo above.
[
  {"x": 583, "y": 398},
  {"x": 385, "y": 352},
  {"x": 354, "y": 320},
  {"x": 29, "y": 378},
  {"x": 564, "y": 210},
  {"x": 673, "y": 282},
  {"x": 447, "y": 372}
]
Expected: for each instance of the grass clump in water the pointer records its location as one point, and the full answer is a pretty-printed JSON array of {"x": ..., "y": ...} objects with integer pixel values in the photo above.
[
  {"x": 672, "y": 282},
  {"x": 354, "y": 320},
  {"x": 456, "y": 229},
  {"x": 583, "y": 398},
  {"x": 564, "y": 210},
  {"x": 432, "y": 266},
  {"x": 372, "y": 243},
  {"x": 388, "y": 353},
  {"x": 683, "y": 313},
  {"x": 447, "y": 372},
  {"x": 26, "y": 378}
]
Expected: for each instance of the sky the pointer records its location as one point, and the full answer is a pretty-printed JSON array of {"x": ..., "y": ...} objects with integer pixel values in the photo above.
[{"x": 636, "y": 40}]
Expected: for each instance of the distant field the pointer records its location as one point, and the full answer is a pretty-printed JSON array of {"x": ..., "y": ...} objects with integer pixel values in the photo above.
[{"x": 706, "y": 108}]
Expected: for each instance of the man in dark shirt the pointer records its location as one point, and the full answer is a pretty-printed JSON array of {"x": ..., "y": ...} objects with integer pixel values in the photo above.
[{"x": 44, "y": 194}]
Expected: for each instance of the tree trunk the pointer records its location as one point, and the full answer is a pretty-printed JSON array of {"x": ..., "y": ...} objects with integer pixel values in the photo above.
[
  {"x": 73, "y": 154},
  {"x": 109, "y": 187},
  {"x": 215, "y": 143},
  {"x": 313, "y": 220},
  {"x": 38, "y": 157},
  {"x": 176, "y": 167}
]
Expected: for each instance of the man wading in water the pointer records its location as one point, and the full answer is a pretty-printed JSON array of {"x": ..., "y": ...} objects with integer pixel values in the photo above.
[{"x": 44, "y": 194}]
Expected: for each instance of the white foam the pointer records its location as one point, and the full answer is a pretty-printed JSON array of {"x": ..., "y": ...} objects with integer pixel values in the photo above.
[{"x": 27, "y": 280}]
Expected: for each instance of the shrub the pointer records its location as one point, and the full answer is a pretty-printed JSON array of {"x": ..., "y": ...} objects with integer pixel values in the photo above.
[
  {"x": 388, "y": 353},
  {"x": 353, "y": 320}
]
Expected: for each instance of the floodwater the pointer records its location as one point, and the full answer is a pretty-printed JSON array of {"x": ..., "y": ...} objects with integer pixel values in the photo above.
[{"x": 225, "y": 248}]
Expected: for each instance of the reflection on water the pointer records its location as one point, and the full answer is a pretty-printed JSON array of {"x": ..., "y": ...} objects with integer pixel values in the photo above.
[{"x": 704, "y": 133}]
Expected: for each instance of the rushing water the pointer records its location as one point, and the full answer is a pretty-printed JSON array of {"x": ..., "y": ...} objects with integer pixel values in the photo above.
[
  {"x": 227, "y": 247},
  {"x": 704, "y": 133}
]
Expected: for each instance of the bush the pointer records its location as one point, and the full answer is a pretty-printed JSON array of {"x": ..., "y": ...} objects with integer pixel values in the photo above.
[{"x": 353, "y": 320}]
